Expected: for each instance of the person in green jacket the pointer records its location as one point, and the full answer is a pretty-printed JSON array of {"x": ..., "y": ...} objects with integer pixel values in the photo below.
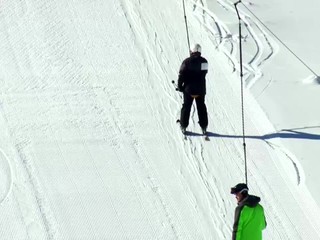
[{"x": 249, "y": 218}]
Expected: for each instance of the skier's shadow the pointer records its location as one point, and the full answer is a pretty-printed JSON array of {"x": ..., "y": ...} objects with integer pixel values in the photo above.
[
  {"x": 211, "y": 134},
  {"x": 193, "y": 134},
  {"x": 284, "y": 133}
]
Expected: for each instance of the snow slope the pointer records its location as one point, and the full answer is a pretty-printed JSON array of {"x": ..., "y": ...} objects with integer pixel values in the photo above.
[
  {"x": 289, "y": 89},
  {"x": 90, "y": 148}
]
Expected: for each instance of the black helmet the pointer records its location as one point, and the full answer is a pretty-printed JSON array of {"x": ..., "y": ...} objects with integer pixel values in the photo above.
[{"x": 240, "y": 187}]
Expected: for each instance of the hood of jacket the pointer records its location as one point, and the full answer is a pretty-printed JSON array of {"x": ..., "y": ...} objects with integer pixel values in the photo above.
[{"x": 250, "y": 201}]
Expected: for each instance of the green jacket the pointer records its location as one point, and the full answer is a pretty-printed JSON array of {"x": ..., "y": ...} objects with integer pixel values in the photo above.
[{"x": 249, "y": 220}]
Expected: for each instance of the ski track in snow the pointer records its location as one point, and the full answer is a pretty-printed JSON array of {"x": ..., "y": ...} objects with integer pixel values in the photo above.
[
  {"x": 79, "y": 130},
  {"x": 189, "y": 156},
  {"x": 265, "y": 46},
  {"x": 255, "y": 63},
  {"x": 6, "y": 177},
  {"x": 192, "y": 155},
  {"x": 135, "y": 25}
]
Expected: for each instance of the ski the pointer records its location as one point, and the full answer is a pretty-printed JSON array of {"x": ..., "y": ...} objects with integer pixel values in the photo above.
[
  {"x": 183, "y": 130},
  {"x": 185, "y": 137},
  {"x": 205, "y": 135},
  {"x": 186, "y": 133}
]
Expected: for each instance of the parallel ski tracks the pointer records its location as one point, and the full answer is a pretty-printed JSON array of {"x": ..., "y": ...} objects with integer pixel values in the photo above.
[
  {"x": 265, "y": 46},
  {"x": 167, "y": 86}
]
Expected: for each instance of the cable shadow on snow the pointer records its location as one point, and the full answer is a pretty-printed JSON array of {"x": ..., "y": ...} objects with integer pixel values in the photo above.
[
  {"x": 194, "y": 134},
  {"x": 284, "y": 133}
]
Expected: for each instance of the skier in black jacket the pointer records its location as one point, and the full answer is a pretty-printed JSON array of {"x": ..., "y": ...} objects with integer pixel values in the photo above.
[{"x": 192, "y": 83}]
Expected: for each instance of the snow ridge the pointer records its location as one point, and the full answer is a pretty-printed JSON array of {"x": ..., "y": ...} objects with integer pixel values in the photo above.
[
  {"x": 6, "y": 177},
  {"x": 252, "y": 33}
]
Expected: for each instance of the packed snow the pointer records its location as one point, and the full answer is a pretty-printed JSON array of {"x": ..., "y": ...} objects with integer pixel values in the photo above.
[{"x": 90, "y": 147}]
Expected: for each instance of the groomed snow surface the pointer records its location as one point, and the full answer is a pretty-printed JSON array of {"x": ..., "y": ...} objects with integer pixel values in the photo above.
[{"x": 89, "y": 147}]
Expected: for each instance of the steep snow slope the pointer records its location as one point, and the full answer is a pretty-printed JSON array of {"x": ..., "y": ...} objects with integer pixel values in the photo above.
[{"x": 90, "y": 148}]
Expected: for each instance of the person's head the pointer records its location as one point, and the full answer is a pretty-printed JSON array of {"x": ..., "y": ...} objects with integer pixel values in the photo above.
[
  {"x": 240, "y": 191},
  {"x": 195, "y": 49}
]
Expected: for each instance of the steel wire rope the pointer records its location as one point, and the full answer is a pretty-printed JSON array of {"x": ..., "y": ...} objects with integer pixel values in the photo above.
[
  {"x": 278, "y": 38},
  {"x": 241, "y": 74},
  {"x": 186, "y": 23},
  {"x": 242, "y": 98}
]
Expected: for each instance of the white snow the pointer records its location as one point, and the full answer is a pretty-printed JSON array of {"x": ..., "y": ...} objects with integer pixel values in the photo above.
[{"x": 89, "y": 147}]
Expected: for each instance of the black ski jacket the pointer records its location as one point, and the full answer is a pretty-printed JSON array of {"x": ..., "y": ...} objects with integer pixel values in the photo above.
[{"x": 192, "y": 75}]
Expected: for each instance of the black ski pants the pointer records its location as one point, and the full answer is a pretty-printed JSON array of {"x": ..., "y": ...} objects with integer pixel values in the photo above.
[{"x": 201, "y": 109}]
